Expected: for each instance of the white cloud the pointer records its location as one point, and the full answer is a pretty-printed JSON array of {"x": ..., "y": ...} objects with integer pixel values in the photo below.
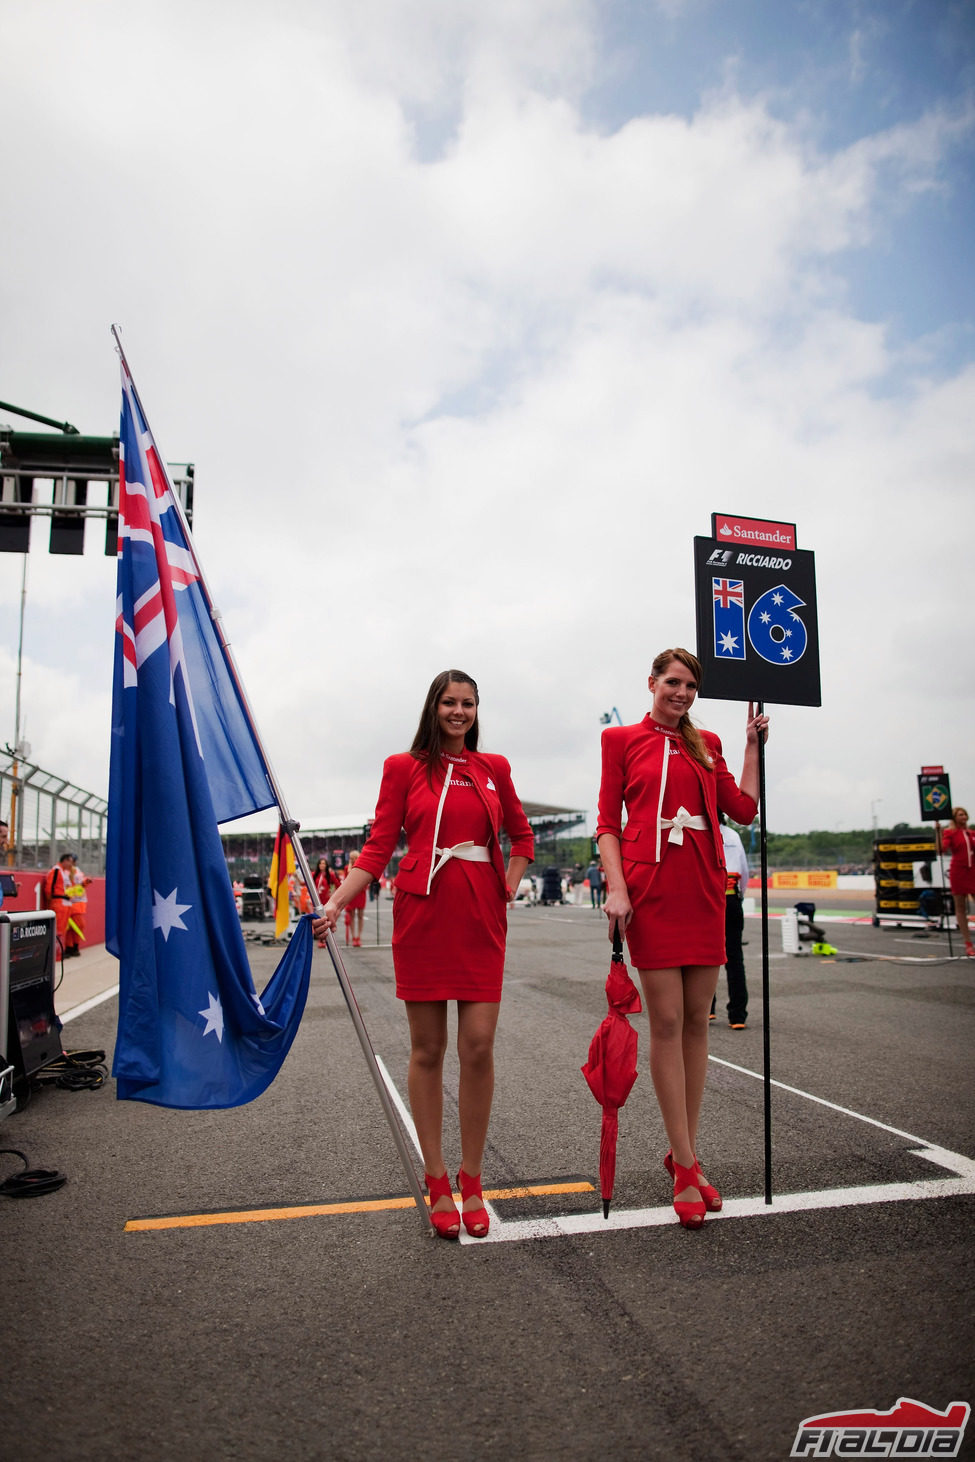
[{"x": 470, "y": 402}]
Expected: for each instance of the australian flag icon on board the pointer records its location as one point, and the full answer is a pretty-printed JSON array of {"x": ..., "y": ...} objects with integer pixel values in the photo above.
[{"x": 728, "y": 597}]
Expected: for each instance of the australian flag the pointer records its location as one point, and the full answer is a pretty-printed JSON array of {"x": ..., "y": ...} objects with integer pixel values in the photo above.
[
  {"x": 192, "y": 1031},
  {"x": 728, "y": 600}
]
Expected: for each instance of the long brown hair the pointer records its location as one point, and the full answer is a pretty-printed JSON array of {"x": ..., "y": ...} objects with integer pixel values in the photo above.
[
  {"x": 689, "y": 733},
  {"x": 428, "y": 741}
]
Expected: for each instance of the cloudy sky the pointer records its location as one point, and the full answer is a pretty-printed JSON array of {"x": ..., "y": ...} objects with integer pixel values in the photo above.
[{"x": 469, "y": 317}]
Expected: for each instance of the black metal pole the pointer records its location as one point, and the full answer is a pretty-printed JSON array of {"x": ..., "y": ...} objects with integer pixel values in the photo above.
[
  {"x": 766, "y": 1038},
  {"x": 292, "y": 830}
]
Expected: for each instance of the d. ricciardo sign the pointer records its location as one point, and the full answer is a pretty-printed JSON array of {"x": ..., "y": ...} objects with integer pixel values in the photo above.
[{"x": 757, "y": 626}]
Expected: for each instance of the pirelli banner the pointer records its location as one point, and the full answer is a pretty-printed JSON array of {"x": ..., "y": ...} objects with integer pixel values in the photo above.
[{"x": 757, "y": 630}]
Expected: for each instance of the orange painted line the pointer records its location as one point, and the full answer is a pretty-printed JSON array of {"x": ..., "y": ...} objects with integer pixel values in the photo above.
[{"x": 319, "y": 1210}]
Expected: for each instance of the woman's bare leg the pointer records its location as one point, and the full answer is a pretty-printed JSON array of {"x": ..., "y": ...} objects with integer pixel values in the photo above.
[
  {"x": 477, "y": 1021},
  {"x": 961, "y": 914},
  {"x": 428, "y": 1044},
  {"x": 700, "y": 983},
  {"x": 663, "y": 992},
  {"x": 678, "y": 1003}
]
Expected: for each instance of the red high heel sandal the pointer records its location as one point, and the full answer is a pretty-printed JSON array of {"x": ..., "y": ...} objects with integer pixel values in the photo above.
[
  {"x": 713, "y": 1201},
  {"x": 447, "y": 1222},
  {"x": 690, "y": 1211},
  {"x": 478, "y": 1221}
]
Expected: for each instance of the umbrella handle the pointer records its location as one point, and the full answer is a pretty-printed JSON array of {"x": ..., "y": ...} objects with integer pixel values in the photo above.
[{"x": 617, "y": 944}]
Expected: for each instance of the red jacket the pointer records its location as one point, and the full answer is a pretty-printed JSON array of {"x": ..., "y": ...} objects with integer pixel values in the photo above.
[
  {"x": 958, "y": 841},
  {"x": 634, "y": 772},
  {"x": 407, "y": 800}
]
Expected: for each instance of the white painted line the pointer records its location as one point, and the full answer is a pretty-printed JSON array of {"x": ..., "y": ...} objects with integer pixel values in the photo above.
[
  {"x": 925, "y": 1188},
  {"x": 593, "y": 1223},
  {"x": 407, "y": 1120},
  {"x": 822, "y": 1102},
  {"x": 88, "y": 1004},
  {"x": 400, "y": 1105},
  {"x": 561, "y": 919},
  {"x": 570, "y": 1224}
]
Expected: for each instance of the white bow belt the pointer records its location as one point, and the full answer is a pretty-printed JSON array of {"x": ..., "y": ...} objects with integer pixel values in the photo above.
[
  {"x": 680, "y": 820},
  {"x": 469, "y": 852}
]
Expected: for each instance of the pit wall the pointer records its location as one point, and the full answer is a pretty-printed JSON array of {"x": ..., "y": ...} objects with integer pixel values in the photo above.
[{"x": 29, "y": 897}]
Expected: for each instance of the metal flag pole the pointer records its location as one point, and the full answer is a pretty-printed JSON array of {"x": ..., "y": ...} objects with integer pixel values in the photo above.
[
  {"x": 291, "y": 828},
  {"x": 766, "y": 1038}
]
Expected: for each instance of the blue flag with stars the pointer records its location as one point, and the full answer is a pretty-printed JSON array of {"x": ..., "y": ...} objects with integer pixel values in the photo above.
[{"x": 192, "y": 1030}]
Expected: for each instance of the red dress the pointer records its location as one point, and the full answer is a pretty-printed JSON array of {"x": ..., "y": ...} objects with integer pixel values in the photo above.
[
  {"x": 449, "y": 944},
  {"x": 960, "y": 843},
  {"x": 676, "y": 889},
  {"x": 678, "y": 903},
  {"x": 359, "y": 899}
]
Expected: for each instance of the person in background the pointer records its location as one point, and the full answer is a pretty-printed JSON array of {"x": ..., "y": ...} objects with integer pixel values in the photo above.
[
  {"x": 7, "y": 884},
  {"x": 929, "y": 901},
  {"x": 449, "y": 922},
  {"x": 594, "y": 877},
  {"x": 325, "y": 880},
  {"x": 77, "y": 891},
  {"x": 737, "y": 874},
  {"x": 355, "y": 908},
  {"x": 54, "y": 895},
  {"x": 299, "y": 898},
  {"x": 958, "y": 839},
  {"x": 665, "y": 873}
]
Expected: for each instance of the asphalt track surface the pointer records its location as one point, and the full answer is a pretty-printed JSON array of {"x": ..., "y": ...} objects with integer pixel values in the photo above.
[{"x": 311, "y": 1331}]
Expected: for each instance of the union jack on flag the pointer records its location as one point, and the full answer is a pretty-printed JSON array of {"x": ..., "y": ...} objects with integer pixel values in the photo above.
[
  {"x": 728, "y": 591},
  {"x": 160, "y": 603},
  {"x": 192, "y": 1031},
  {"x": 728, "y": 598},
  {"x": 145, "y": 511}
]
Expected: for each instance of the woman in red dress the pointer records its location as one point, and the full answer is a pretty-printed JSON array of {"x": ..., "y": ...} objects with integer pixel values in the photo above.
[
  {"x": 355, "y": 909},
  {"x": 665, "y": 876},
  {"x": 958, "y": 839},
  {"x": 449, "y": 922},
  {"x": 325, "y": 880}
]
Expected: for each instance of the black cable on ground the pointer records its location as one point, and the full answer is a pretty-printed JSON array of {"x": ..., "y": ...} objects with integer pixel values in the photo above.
[
  {"x": 75, "y": 1071},
  {"x": 850, "y": 956},
  {"x": 32, "y": 1182}
]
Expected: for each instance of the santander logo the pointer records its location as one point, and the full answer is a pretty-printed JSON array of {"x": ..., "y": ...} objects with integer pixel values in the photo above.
[{"x": 754, "y": 530}]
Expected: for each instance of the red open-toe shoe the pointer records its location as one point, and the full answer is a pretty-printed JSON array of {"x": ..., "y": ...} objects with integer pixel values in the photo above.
[
  {"x": 478, "y": 1221},
  {"x": 447, "y": 1222},
  {"x": 690, "y": 1211},
  {"x": 712, "y": 1198}
]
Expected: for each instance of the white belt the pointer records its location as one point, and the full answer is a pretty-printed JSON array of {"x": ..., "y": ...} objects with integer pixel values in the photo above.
[
  {"x": 681, "y": 819},
  {"x": 470, "y": 852}
]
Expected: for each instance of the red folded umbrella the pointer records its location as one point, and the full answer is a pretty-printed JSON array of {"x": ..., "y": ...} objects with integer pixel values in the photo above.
[{"x": 611, "y": 1068}]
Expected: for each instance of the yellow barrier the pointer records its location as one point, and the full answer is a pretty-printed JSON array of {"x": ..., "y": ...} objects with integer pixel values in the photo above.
[{"x": 815, "y": 879}]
